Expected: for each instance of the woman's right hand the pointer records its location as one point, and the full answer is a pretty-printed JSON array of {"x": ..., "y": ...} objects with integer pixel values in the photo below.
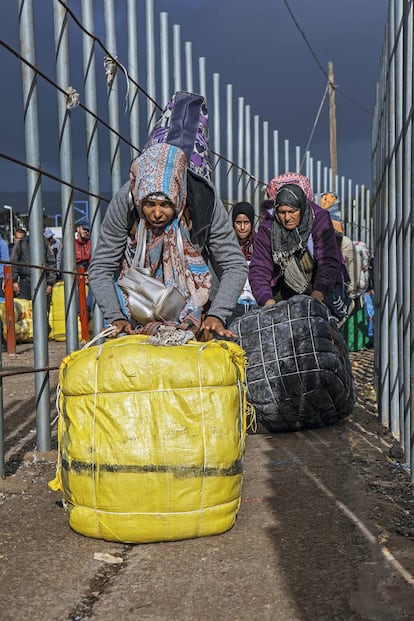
[
  {"x": 318, "y": 295},
  {"x": 121, "y": 325},
  {"x": 270, "y": 302}
]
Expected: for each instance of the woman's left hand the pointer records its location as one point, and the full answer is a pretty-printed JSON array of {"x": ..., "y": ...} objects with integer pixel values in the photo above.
[{"x": 214, "y": 324}]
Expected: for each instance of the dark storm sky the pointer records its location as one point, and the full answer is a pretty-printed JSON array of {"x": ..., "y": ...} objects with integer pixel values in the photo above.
[{"x": 256, "y": 47}]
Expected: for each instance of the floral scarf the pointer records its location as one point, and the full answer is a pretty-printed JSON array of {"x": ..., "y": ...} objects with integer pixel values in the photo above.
[
  {"x": 289, "y": 178},
  {"x": 247, "y": 247}
]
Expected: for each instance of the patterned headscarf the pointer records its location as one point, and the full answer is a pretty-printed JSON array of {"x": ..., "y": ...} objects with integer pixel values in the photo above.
[
  {"x": 162, "y": 168},
  {"x": 286, "y": 243},
  {"x": 290, "y": 177}
]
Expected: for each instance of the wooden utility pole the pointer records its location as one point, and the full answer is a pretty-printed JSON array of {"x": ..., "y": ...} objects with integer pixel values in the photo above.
[{"x": 332, "y": 124}]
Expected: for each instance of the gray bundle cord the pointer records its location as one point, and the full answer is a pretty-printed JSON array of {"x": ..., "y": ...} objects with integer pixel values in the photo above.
[{"x": 170, "y": 335}]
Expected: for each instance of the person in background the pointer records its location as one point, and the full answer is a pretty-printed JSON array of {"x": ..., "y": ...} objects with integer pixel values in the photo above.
[
  {"x": 56, "y": 246},
  {"x": 83, "y": 245},
  {"x": 20, "y": 253},
  {"x": 215, "y": 239},
  {"x": 331, "y": 201},
  {"x": 83, "y": 255},
  {"x": 243, "y": 223},
  {"x": 295, "y": 252},
  {"x": 4, "y": 256},
  {"x": 21, "y": 258},
  {"x": 19, "y": 234}
]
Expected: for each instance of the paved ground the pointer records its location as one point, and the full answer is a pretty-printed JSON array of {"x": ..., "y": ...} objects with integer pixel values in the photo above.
[{"x": 325, "y": 532}]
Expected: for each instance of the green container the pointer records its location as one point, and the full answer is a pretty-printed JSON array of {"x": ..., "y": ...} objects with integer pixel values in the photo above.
[{"x": 355, "y": 330}]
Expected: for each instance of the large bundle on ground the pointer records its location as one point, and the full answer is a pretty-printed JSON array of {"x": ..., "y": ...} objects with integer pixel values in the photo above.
[
  {"x": 57, "y": 319},
  {"x": 151, "y": 439},
  {"x": 298, "y": 374},
  {"x": 23, "y": 320}
]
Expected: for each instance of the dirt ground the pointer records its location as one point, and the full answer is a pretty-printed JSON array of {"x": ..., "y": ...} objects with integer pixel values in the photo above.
[{"x": 325, "y": 530}]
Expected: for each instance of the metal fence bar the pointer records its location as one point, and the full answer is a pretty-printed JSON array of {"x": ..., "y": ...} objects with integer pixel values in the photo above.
[
  {"x": 164, "y": 57},
  {"x": 240, "y": 150},
  {"x": 275, "y": 153},
  {"x": 92, "y": 142},
  {"x": 266, "y": 154},
  {"x": 408, "y": 245},
  {"x": 393, "y": 191},
  {"x": 150, "y": 48},
  {"x": 177, "y": 56},
  {"x": 229, "y": 133},
  {"x": 287, "y": 161},
  {"x": 133, "y": 101},
  {"x": 202, "y": 76},
  {"x": 216, "y": 129},
  {"x": 392, "y": 244},
  {"x": 38, "y": 280},
  {"x": 398, "y": 104},
  {"x": 65, "y": 165},
  {"x": 188, "y": 51},
  {"x": 113, "y": 95},
  {"x": 248, "y": 151},
  {"x": 256, "y": 160}
]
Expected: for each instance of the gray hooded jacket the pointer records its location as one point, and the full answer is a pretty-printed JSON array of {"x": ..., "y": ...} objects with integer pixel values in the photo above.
[{"x": 212, "y": 233}]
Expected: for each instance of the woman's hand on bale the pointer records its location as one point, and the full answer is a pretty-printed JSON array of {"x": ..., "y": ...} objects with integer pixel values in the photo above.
[
  {"x": 214, "y": 324},
  {"x": 121, "y": 325},
  {"x": 318, "y": 295}
]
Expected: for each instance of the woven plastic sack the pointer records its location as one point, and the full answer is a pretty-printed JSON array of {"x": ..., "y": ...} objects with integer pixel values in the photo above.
[
  {"x": 184, "y": 123},
  {"x": 23, "y": 320},
  {"x": 151, "y": 439},
  {"x": 57, "y": 318},
  {"x": 299, "y": 374}
]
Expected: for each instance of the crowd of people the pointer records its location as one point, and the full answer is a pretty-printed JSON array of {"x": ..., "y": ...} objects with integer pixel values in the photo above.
[
  {"x": 296, "y": 249},
  {"x": 299, "y": 247},
  {"x": 18, "y": 253}
]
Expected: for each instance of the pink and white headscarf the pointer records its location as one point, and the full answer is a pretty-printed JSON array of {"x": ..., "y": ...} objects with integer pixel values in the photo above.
[{"x": 290, "y": 177}]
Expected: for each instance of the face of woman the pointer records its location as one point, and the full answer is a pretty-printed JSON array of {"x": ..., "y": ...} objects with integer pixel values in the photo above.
[
  {"x": 242, "y": 226},
  {"x": 289, "y": 217},
  {"x": 158, "y": 213}
]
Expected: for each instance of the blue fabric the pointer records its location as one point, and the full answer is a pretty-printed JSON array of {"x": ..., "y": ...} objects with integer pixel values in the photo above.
[
  {"x": 369, "y": 313},
  {"x": 4, "y": 255}
]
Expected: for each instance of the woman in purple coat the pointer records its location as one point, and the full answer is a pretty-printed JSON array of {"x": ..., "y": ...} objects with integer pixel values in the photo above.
[{"x": 295, "y": 252}]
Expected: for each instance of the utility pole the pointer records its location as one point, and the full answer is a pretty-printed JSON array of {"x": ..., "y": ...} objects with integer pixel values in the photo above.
[{"x": 332, "y": 124}]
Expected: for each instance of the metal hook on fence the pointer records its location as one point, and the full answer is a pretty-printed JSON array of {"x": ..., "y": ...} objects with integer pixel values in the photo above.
[
  {"x": 111, "y": 66},
  {"x": 110, "y": 69},
  {"x": 72, "y": 98}
]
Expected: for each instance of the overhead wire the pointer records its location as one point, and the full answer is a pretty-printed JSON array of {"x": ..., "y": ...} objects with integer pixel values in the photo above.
[
  {"x": 139, "y": 87},
  {"x": 335, "y": 86},
  {"x": 47, "y": 79},
  {"x": 315, "y": 123}
]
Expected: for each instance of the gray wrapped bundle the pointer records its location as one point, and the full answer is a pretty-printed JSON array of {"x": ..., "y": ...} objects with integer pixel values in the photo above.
[{"x": 299, "y": 374}]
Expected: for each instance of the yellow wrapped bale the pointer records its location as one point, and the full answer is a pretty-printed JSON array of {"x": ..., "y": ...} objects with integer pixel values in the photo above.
[
  {"x": 151, "y": 439},
  {"x": 23, "y": 319},
  {"x": 57, "y": 318}
]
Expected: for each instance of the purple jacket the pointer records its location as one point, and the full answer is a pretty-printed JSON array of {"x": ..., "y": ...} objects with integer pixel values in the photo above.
[{"x": 322, "y": 246}]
